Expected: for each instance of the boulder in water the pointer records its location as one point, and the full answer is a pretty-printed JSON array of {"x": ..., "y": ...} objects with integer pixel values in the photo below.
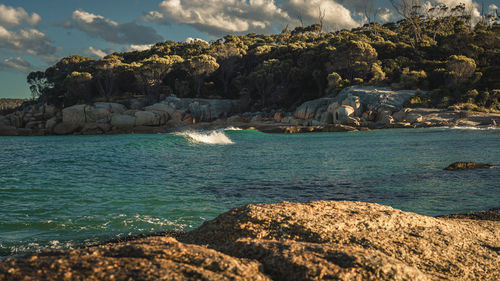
[{"x": 467, "y": 165}]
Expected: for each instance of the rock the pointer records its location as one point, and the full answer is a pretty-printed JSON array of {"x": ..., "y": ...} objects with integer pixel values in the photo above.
[
  {"x": 387, "y": 121},
  {"x": 202, "y": 110},
  {"x": 353, "y": 121},
  {"x": 16, "y": 119},
  {"x": 287, "y": 119},
  {"x": 74, "y": 116},
  {"x": 111, "y": 107},
  {"x": 256, "y": 118},
  {"x": 50, "y": 124},
  {"x": 49, "y": 111},
  {"x": 101, "y": 114},
  {"x": 66, "y": 128},
  {"x": 155, "y": 258},
  {"x": 342, "y": 114},
  {"x": 467, "y": 166},
  {"x": 123, "y": 121},
  {"x": 277, "y": 117},
  {"x": 336, "y": 128},
  {"x": 317, "y": 123},
  {"x": 290, "y": 260},
  {"x": 439, "y": 248},
  {"x": 237, "y": 119},
  {"x": 147, "y": 118},
  {"x": 400, "y": 116},
  {"x": 287, "y": 241},
  {"x": 136, "y": 104},
  {"x": 35, "y": 125},
  {"x": 161, "y": 107},
  {"x": 4, "y": 121},
  {"x": 369, "y": 116},
  {"x": 13, "y": 131},
  {"x": 312, "y": 109},
  {"x": 492, "y": 214},
  {"x": 376, "y": 98},
  {"x": 355, "y": 103},
  {"x": 414, "y": 118},
  {"x": 91, "y": 129}
]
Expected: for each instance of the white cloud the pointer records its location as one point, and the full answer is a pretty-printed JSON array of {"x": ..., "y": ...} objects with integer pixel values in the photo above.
[
  {"x": 15, "y": 64},
  {"x": 111, "y": 31},
  {"x": 18, "y": 35},
  {"x": 336, "y": 15},
  {"x": 27, "y": 41},
  {"x": 96, "y": 52},
  {"x": 13, "y": 17},
  {"x": 144, "y": 47},
  {"x": 471, "y": 8},
  {"x": 384, "y": 14},
  {"x": 219, "y": 17},
  {"x": 191, "y": 40}
]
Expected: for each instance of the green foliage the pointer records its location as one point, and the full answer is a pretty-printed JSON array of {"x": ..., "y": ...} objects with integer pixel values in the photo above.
[{"x": 436, "y": 50}]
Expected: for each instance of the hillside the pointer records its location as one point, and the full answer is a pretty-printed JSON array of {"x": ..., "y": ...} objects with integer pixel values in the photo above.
[{"x": 454, "y": 64}]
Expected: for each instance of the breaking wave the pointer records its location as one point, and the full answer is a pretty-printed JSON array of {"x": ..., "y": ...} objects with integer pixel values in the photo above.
[{"x": 210, "y": 137}]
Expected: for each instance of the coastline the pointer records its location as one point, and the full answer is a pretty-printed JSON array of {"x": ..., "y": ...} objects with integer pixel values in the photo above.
[
  {"x": 311, "y": 241},
  {"x": 355, "y": 108}
]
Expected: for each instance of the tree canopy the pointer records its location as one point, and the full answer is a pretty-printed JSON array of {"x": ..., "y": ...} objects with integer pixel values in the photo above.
[{"x": 435, "y": 50}]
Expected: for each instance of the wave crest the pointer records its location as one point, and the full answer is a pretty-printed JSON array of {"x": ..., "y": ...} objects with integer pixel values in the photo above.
[{"x": 210, "y": 137}]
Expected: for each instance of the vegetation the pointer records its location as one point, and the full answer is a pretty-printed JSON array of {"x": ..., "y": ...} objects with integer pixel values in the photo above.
[{"x": 435, "y": 50}]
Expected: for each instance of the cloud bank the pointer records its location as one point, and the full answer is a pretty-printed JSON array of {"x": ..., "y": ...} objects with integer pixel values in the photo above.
[
  {"x": 219, "y": 17},
  {"x": 14, "y": 17},
  {"x": 111, "y": 31},
  {"x": 19, "y": 35},
  {"x": 15, "y": 64}
]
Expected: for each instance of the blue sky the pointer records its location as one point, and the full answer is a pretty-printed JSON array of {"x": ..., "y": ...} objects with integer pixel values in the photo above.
[{"x": 35, "y": 34}]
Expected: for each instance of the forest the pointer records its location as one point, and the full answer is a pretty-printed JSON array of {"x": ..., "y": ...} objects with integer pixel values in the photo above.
[{"x": 454, "y": 62}]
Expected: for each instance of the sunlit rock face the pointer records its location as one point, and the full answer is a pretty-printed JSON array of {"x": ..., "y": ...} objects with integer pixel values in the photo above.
[{"x": 288, "y": 241}]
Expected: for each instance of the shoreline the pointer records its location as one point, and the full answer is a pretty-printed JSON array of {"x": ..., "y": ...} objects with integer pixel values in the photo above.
[
  {"x": 476, "y": 120},
  {"x": 349, "y": 227},
  {"x": 355, "y": 108}
]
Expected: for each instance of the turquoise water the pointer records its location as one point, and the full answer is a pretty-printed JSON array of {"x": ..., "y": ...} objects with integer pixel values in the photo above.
[{"x": 58, "y": 192}]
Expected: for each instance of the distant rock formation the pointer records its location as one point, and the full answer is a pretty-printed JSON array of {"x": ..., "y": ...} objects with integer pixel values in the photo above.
[
  {"x": 288, "y": 241},
  {"x": 467, "y": 166}
]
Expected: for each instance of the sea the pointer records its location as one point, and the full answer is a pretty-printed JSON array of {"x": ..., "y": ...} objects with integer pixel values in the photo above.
[{"x": 60, "y": 192}]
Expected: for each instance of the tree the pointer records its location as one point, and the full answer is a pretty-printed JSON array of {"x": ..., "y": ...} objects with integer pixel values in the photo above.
[
  {"x": 106, "y": 75},
  {"x": 410, "y": 11},
  {"x": 460, "y": 69},
  {"x": 151, "y": 72},
  {"x": 200, "y": 67},
  {"x": 38, "y": 84},
  {"x": 78, "y": 87}
]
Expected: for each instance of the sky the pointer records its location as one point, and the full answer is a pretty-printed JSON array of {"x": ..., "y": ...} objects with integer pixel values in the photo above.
[{"x": 35, "y": 34}]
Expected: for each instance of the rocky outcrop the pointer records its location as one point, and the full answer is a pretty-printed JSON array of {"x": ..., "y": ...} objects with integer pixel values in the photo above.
[
  {"x": 351, "y": 104},
  {"x": 155, "y": 258},
  {"x": 201, "y": 110},
  {"x": 467, "y": 166},
  {"x": 288, "y": 241}
]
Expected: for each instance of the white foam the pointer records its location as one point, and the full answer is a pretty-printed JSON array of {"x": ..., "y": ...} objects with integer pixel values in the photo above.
[
  {"x": 231, "y": 128},
  {"x": 210, "y": 137},
  {"x": 474, "y": 128}
]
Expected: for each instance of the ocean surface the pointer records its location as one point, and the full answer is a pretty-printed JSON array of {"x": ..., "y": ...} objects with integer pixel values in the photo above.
[{"x": 66, "y": 191}]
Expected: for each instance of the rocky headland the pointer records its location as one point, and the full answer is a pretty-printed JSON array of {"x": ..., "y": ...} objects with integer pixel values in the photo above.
[
  {"x": 354, "y": 108},
  {"x": 288, "y": 241}
]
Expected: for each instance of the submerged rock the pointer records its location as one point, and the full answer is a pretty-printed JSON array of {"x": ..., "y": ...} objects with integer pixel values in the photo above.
[
  {"x": 287, "y": 241},
  {"x": 467, "y": 165}
]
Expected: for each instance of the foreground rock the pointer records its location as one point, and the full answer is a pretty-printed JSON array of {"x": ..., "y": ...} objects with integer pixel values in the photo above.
[
  {"x": 467, "y": 166},
  {"x": 288, "y": 241}
]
